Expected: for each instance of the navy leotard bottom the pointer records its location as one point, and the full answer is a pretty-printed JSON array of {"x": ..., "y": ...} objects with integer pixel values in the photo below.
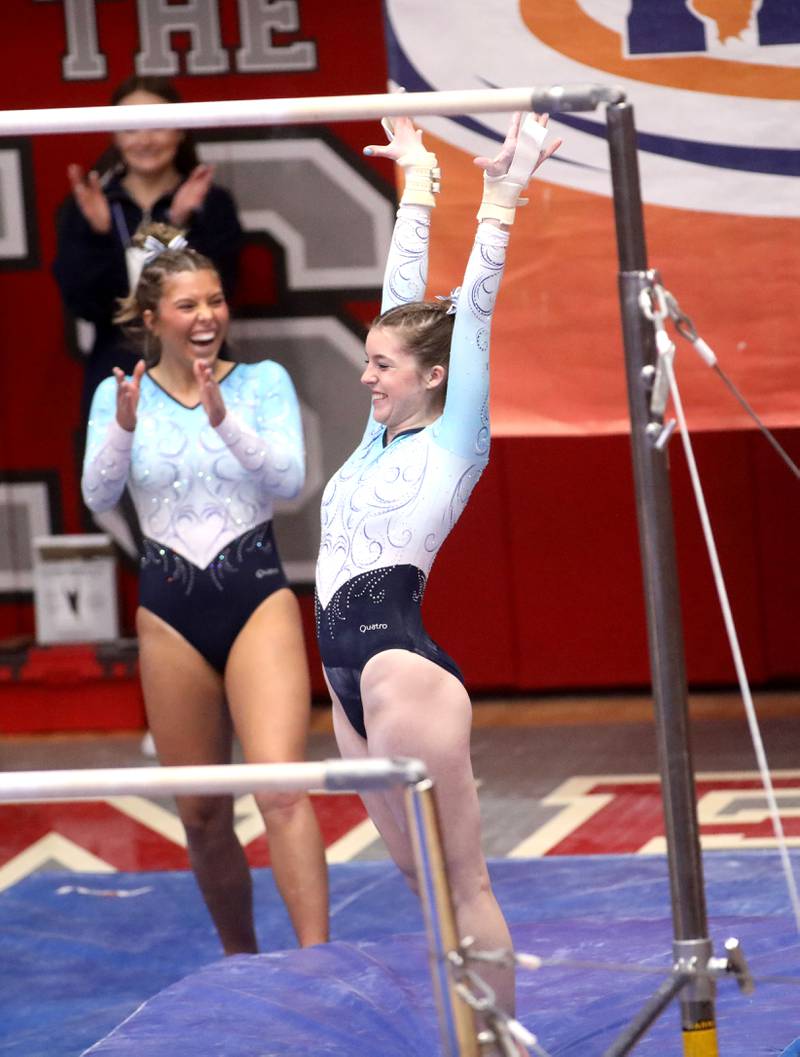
[
  {"x": 209, "y": 607},
  {"x": 373, "y": 612}
]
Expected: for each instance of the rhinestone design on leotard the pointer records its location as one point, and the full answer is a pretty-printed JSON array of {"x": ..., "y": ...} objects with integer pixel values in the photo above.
[
  {"x": 366, "y": 587},
  {"x": 176, "y": 570}
]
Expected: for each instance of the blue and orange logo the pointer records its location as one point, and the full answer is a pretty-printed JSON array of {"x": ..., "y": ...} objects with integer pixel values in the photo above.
[{"x": 714, "y": 84}]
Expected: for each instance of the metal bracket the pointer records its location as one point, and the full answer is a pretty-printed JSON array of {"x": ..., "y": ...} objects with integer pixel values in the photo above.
[
  {"x": 659, "y": 433},
  {"x": 735, "y": 963},
  {"x": 693, "y": 956},
  {"x": 654, "y": 308}
]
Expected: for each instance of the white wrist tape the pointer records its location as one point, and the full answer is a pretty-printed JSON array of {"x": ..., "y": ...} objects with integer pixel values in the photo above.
[
  {"x": 422, "y": 177},
  {"x": 501, "y": 194}
]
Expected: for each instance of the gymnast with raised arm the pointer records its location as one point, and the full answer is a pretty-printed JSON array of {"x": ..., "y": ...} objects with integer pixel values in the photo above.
[
  {"x": 206, "y": 446},
  {"x": 386, "y": 512}
]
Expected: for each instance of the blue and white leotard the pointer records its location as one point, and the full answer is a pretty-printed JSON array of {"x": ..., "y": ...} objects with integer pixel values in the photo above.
[
  {"x": 389, "y": 508},
  {"x": 204, "y": 496}
]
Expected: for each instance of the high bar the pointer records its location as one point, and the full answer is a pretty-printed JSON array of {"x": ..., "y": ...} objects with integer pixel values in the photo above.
[
  {"x": 311, "y": 110},
  {"x": 98, "y": 783}
]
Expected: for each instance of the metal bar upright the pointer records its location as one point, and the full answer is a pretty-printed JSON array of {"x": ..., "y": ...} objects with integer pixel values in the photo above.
[
  {"x": 662, "y": 600},
  {"x": 457, "y": 1026}
]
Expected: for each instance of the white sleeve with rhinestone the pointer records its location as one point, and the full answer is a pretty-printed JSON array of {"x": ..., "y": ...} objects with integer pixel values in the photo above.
[
  {"x": 108, "y": 451},
  {"x": 464, "y": 425},
  {"x": 274, "y": 451},
  {"x": 406, "y": 274}
]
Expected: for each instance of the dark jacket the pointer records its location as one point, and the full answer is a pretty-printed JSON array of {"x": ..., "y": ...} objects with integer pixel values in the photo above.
[{"x": 91, "y": 272}]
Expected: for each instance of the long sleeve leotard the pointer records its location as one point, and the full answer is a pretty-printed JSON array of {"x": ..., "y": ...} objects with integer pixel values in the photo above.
[
  {"x": 395, "y": 504},
  {"x": 386, "y": 512},
  {"x": 196, "y": 488},
  {"x": 204, "y": 497}
]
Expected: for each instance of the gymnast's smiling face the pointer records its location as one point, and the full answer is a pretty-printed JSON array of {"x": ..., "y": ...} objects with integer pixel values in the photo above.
[
  {"x": 404, "y": 396},
  {"x": 191, "y": 320}
]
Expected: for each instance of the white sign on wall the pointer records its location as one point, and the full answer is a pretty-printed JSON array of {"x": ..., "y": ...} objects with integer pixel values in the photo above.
[{"x": 75, "y": 589}]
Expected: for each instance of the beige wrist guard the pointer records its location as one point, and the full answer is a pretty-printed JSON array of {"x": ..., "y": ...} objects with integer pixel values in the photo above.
[
  {"x": 501, "y": 197},
  {"x": 502, "y": 194},
  {"x": 422, "y": 177}
]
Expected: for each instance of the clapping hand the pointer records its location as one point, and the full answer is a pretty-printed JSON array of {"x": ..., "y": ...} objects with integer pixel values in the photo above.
[
  {"x": 210, "y": 395},
  {"x": 128, "y": 395},
  {"x": 190, "y": 195},
  {"x": 91, "y": 199}
]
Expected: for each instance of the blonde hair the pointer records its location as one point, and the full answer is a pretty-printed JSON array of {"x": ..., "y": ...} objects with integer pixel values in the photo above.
[{"x": 150, "y": 288}]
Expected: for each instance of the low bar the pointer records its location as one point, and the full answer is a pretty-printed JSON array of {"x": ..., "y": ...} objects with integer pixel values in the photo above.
[
  {"x": 313, "y": 110},
  {"x": 457, "y": 1027},
  {"x": 238, "y": 778}
]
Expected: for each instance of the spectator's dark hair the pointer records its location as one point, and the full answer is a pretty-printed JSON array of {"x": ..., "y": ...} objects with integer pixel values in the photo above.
[{"x": 110, "y": 162}]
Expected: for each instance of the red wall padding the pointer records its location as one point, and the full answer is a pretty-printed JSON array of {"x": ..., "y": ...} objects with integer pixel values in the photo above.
[{"x": 540, "y": 587}]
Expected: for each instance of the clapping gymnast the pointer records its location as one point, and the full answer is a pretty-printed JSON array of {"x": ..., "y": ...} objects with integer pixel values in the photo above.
[{"x": 206, "y": 446}]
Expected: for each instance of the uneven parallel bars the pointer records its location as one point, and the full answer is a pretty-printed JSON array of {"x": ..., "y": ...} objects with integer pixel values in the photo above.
[
  {"x": 244, "y": 112},
  {"x": 456, "y": 1022},
  {"x": 333, "y": 775}
]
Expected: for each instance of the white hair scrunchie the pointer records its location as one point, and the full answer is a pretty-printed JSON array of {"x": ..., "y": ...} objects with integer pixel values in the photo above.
[
  {"x": 153, "y": 247},
  {"x": 452, "y": 298}
]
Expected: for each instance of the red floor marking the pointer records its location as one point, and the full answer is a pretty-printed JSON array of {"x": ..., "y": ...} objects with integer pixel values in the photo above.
[
  {"x": 98, "y": 827},
  {"x": 635, "y": 816},
  {"x": 623, "y": 826},
  {"x": 129, "y": 845}
]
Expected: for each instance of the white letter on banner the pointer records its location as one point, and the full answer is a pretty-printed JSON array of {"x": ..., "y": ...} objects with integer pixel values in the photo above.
[
  {"x": 83, "y": 61},
  {"x": 199, "y": 18},
  {"x": 258, "y": 54}
]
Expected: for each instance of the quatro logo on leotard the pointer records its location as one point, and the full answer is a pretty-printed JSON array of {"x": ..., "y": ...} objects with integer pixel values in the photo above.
[
  {"x": 261, "y": 573},
  {"x": 373, "y": 627}
]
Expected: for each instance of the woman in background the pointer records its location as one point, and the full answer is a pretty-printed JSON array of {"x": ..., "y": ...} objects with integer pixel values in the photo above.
[{"x": 147, "y": 175}]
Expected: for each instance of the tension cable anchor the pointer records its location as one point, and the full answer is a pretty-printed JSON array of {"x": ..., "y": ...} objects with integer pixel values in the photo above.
[
  {"x": 502, "y": 1031},
  {"x": 659, "y": 433},
  {"x": 687, "y": 330}
]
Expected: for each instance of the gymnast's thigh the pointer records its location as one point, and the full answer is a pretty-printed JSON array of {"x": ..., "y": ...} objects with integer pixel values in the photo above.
[
  {"x": 183, "y": 694},
  {"x": 386, "y": 809},
  {"x": 413, "y": 707},
  {"x": 400, "y": 687},
  {"x": 268, "y": 684}
]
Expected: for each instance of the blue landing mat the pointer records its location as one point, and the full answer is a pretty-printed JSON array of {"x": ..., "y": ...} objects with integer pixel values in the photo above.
[
  {"x": 368, "y": 999},
  {"x": 75, "y": 965}
]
